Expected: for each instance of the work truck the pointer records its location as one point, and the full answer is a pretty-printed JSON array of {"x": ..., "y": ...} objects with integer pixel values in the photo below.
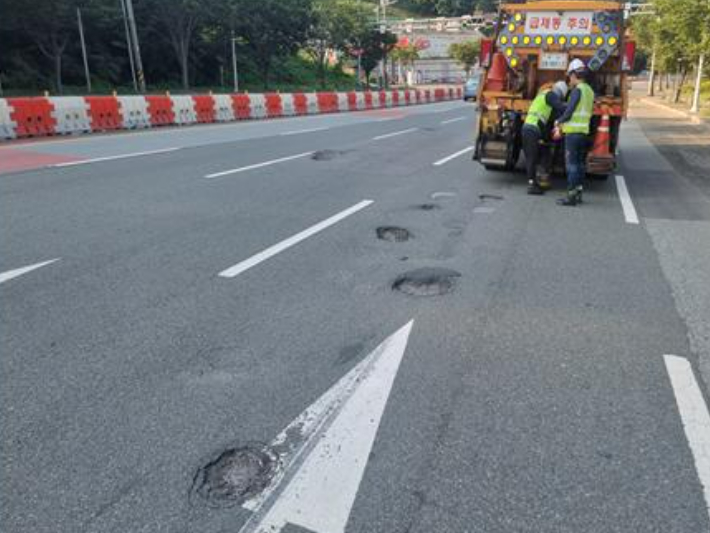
[{"x": 533, "y": 44}]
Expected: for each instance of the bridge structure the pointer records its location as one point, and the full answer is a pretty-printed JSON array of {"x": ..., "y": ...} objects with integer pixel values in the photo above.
[
  {"x": 466, "y": 24},
  {"x": 634, "y": 9},
  {"x": 434, "y": 36}
]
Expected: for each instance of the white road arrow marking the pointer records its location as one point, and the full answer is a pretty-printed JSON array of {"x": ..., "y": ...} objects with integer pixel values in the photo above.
[
  {"x": 10, "y": 274},
  {"x": 325, "y": 450}
]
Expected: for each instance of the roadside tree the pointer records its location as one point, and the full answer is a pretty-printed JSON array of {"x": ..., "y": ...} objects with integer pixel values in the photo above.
[{"x": 466, "y": 54}]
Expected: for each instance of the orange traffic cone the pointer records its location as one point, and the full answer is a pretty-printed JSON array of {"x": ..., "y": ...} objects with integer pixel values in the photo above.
[
  {"x": 600, "y": 159},
  {"x": 602, "y": 140},
  {"x": 498, "y": 73}
]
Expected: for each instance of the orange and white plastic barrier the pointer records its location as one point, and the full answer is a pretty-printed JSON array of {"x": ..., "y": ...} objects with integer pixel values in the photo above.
[
  {"x": 45, "y": 116},
  {"x": 134, "y": 112}
]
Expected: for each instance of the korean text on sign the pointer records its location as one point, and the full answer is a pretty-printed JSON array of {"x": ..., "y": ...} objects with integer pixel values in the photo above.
[{"x": 548, "y": 23}]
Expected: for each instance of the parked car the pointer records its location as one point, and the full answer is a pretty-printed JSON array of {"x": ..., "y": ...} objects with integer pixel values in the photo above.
[{"x": 470, "y": 89}]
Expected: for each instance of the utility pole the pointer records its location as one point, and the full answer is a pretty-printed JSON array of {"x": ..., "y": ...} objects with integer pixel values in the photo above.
[
  {"x": 652, "y": 74},
  {"x": 83, "y": 51},
  {"x": 136, "y": 45},
  {"x": 383, "y": 29},
  {"x": 383, "y": 4},
  {"x": 359, "y": 70},
  {"x": 129, "y": 44},
  {"x": 234, "y": 63},
  {"x": 696, "y": 93}
]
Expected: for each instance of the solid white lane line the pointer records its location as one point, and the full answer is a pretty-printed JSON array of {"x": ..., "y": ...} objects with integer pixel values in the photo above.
[
  {"x": 327, "y": 448},
  {"x": 695, "y": 416},
  {"x": 10, "y": 274},
  {"x": 626, "y": 203},
  {"x": 457, "y": 119},
  {"x": 453, "y": 156},
  {"x": 291, "y": 241},
  {"x": 114, "y": 157},
  {"x": 258, "y": 165},
  {"x": 394, "y": 134},
  {"x": 307, "y": 130}
]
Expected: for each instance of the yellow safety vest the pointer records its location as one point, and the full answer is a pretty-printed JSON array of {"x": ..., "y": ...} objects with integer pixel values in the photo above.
[
  {"x": 579, "y": 123},
  {"x": 539, "y": 110}
]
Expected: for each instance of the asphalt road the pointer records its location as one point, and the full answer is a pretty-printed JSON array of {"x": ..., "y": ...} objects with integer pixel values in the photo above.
[{"x": 185, "y": 315}]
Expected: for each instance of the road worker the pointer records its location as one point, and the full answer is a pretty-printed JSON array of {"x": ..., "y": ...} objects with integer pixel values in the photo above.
[
  {"x": 536, "y": 132},
  {"x": 575, "y": 125}
]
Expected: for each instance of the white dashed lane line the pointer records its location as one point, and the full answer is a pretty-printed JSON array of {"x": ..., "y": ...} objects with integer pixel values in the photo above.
[
  {"x": 453, "y": 156},
  {"x": 307, "y": 130},
  {"x": 258, "y": 165},
  {"x": 695, "y": 416},
  {"x": 451, "y": 120},
  {"x": 292, "y": 241},
  {"x": 17, "y": 272},
  {"x": 394, "y": 134},
  {"x": 626, "y": 203},
  {"x": 114, "y": 157}
]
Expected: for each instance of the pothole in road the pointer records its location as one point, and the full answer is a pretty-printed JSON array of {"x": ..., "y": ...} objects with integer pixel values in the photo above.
[
  {"x": 235, "y": 476},
  {"x": 485, "y": 197},
  {"x": 393, "y": 234},
  {"x": 326, "y": 155},
  {"x": 429, "y": 281},
  {"x": 428, "y": 207}
]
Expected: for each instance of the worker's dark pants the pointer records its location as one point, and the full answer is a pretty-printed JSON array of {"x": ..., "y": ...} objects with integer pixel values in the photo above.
[
  {"x": 576, "y": 145},
  {"x": 534, "y": 151}
]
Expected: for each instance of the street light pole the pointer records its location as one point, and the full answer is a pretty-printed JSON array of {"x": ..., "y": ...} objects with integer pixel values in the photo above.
[
  {"x": 359, "y": 69},
  {"x": 383, "y": 29},
  {"x": 83, "y": 51},
  {"x": 235, "y": 72},
  {"x": 136, "y": 45},
  {"x": 129, "y": 44},
  {"x": 698, "y": 81}
]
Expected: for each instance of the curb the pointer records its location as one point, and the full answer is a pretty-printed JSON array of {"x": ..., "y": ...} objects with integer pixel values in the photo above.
[{"x": 694, "y": 119}]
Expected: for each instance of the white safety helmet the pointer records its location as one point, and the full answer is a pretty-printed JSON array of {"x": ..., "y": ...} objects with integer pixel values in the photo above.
[
  {"x": 575, "y": 65},
  {"x": 561, "y": 89}
]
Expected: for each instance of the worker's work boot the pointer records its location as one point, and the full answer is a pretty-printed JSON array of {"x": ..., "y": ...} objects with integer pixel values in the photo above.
[
  {"x": 573, "y": 198},
  {"x": 580, "y": 193},
  {"x": 534, "y": 188}
]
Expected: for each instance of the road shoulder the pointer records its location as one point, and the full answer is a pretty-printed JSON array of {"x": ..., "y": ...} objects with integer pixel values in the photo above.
[{"x": 674, "y": 202}]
